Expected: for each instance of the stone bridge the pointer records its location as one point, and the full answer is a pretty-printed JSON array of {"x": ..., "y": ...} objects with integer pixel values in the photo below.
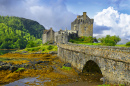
[{"x": 114, "y": 62}]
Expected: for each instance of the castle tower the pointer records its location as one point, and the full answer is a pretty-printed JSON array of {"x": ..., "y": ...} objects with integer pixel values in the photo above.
[
  {"x": 83, "y": 24},
  {"x": 84, "y": 15}
]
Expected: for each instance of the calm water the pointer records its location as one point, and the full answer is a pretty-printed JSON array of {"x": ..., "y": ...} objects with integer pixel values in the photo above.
[{"x": 5, "y": 51}]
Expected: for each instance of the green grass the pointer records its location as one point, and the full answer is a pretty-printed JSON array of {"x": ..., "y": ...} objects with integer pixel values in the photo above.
[
  {"x": 89, "y": 43},
  {"x": 42, "y": 48},
  {"x": 20, "y": 69},
  {"x": 121, "y": 45},
  {"x": 66, "y": 68}
]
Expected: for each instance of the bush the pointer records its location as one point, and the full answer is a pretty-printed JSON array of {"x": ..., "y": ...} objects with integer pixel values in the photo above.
[
  {"x": 71, "y": 40},
  {"x": 43, "y": 49},
  {"x": 50, "y": 47},
  {"x": 128, "y": 44},
  {"x": 109, "y": 40},
  {"x": 31, "y": 44}
]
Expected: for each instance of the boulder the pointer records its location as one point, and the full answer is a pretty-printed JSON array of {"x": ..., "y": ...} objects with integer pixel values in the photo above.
[
  {"x": 24, "y": 52},
  {"x": 53, "y": 52},
  {"x": 13, "y": 68},
  {"x": 67, "y": 65},
  {"x": 4, "y": 67}
]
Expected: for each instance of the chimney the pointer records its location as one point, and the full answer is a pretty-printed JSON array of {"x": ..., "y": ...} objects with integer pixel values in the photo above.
[{"x": 84, "y": 15}]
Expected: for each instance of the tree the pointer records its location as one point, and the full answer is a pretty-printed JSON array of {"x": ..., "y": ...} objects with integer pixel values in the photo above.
[
  {"x": 128, "y": 44},
  {"x": 109, "y": 40}
]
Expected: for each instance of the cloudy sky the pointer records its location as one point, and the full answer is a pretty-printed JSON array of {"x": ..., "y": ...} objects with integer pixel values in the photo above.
[{"x": 110, "y": 16}]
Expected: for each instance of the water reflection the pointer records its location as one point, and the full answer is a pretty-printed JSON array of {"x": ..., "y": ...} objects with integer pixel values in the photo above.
[{"x": 24, "y": 82}]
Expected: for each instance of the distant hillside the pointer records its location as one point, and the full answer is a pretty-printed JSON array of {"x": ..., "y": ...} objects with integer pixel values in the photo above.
[
  {"x": 15, "y": 32},
  {"x": 26, "y": 25}
]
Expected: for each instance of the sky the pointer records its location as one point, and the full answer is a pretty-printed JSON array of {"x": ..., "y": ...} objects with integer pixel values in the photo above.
[{"x": 111, "y": 17}]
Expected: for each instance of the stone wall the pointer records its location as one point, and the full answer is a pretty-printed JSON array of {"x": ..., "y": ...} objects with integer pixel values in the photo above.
[{"x": 114, "y": 62}]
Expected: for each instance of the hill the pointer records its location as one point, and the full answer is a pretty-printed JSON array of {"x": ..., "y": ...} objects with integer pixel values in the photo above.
[{"x": 15, "y": 32}]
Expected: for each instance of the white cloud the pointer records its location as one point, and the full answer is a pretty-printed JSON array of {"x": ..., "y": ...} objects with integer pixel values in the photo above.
[{"x": 119, "y": 24}]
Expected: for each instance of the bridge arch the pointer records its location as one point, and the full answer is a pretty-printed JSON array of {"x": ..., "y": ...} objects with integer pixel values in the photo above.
[{"x": 91, "y": 67}]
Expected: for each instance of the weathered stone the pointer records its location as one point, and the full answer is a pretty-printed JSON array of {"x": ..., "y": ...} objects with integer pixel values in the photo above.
[
  {"x": 114, "y": 62},
  {"x": 24, "y": 52},
  {"x": 53, "y": 52},
  {"x": 67, "y": 65}
]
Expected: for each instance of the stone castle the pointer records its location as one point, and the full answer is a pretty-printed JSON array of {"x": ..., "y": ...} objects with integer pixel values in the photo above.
[{"x": 81, "y": 26}]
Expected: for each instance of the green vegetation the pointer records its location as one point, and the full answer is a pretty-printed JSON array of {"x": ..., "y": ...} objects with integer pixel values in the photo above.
[
  {"x": 128, "y": 44},
  {"x": 42, "y": 48},
  {"x": 16, "y": 32},
  {"x": 109, "y": 40},
  {"x": 20, "y": 69},
  {"x": 50, "y": 47},
  {"x": 105, "y": 41},
  {"x": 66, "y": 68},
  {"x": 82, "y": 39}
]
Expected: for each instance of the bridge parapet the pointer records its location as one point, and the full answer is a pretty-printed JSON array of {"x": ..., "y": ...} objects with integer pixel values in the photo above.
[{"x": 109, "y": 52}]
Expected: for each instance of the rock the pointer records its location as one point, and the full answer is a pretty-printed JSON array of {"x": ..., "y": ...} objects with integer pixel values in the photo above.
[
  {"x": 24, "y": 52},
  {"x": 53, "y": 52},
  {"x": 13, "y": 68},
  {"x": 0, "y": 62},
  {"x": 4, "y": 67},
  {"x": 38, "y": 62},
  {"x": 3, "y": 63},
  {"x": 103, "y": 80},
  {"x": 39, "y": 52},
  {"x": 67, "y": 65}
]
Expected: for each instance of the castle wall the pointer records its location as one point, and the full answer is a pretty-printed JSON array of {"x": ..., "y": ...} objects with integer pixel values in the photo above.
[
  {"x": 50, "y": 36},
  {"x": 86, "y": 30},
  {"x": 44, "y": 38}
]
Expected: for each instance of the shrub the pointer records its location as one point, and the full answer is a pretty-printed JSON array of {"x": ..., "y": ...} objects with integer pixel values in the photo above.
[
  {"x": 71, "y": 40},
  {"x": 43, "y": 49},
  {"x": 50, "y": 47},
  {"x": 46, "y": 43},
  {"x": 109, "y": 40},
  {"x": 31, "y": 44},
  {"x": 128, "y": 44}
]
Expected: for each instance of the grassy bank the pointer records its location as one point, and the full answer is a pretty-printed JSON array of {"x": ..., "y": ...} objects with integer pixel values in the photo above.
[
  {"x": 41, "y": 49},
  {"x": 118, "y": 45}
]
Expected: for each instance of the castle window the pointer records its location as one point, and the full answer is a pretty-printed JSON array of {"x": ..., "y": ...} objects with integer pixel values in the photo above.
[{"x": 81, "y": 20}]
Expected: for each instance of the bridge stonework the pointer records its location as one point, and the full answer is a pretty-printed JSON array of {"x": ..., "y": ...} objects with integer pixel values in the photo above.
[{"x": 114, "y": 62}]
